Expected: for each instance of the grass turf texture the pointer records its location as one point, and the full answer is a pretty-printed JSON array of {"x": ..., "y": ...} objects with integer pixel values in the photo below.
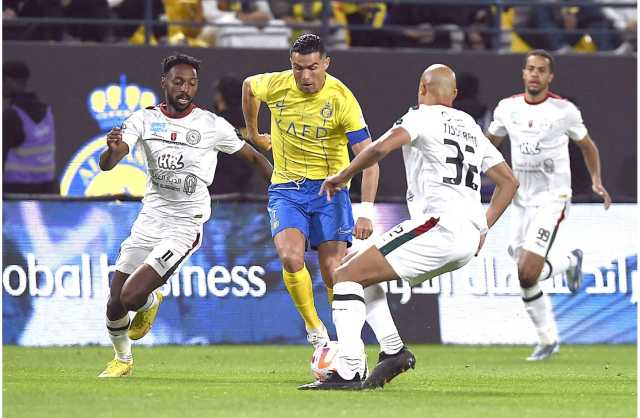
[{"x": 261, "y": 381}]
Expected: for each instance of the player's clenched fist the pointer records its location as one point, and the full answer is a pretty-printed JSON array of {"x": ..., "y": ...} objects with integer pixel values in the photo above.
[
  {"x": 262, "y": 141},
  {"x": 114, "y": 138}
]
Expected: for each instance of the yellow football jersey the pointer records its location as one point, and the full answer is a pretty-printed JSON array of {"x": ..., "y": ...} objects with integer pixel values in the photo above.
[{"x": 309, "y": 132}]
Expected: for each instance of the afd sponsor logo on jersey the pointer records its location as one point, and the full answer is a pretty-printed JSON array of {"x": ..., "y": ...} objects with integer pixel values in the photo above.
[
  {"x": 110, "y": 105},
  {"x": 89, "y": 278}
]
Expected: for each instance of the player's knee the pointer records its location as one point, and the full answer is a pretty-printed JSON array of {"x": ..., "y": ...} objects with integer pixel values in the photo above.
[
  {"x": 292, "y": 262},
  {"x": 132, "y": 299},
  {"x": 527, "y": 275}
]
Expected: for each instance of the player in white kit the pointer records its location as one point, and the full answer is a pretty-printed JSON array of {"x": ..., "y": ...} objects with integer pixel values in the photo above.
[
  {"x": 444, "y": 152},
  {"x": 180, "y": 143},
  {"x": 539, "y": 125}
]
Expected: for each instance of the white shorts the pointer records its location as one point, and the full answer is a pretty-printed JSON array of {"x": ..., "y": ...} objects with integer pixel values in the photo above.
[
  {"x": 419, "y": 251},
  {"x": 536, "y": 227},
  {"x": 164, "y": 243}
]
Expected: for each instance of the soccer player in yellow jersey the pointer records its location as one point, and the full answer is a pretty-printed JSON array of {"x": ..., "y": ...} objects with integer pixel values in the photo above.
[{"x": 314, "y": 118}]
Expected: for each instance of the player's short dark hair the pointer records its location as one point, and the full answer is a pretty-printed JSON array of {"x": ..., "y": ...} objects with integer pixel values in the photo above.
[
  {"x": 540, "y": 53},
  {"x": 308, "y": 43},
  {"x": 16, "y": 70},
  {"x": 172, "y": 60}
]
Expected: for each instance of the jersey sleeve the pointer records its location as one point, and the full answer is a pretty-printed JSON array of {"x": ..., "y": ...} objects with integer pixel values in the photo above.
[
  {"x": 491, "y": 155},
  {"x": 411, "y": 122},
  {"x": 132, "y": 129},
  {"x": 228, "y": 139},
  {"x": 575, "y": 129},
  {"x": 497, "y": 126},
  {"x": 260, "y": 85},
  {"x": 353, "y": 121}
]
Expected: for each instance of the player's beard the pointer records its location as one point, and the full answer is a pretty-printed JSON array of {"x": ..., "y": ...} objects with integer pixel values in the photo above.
[
  {"x": 179, "y": 107},
  {"x": 535, "y": 90}
]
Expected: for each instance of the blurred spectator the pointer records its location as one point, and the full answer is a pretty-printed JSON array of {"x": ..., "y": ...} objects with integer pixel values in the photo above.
[
  {"x": 31, "y": 31},
  {"x": 185, "y": 11},
  {"x": 625, "y": 21},
  {"x": 245, "y": 24},
  {"x": 233, "y": 174},
  {"x": 28, "y": 135},
  {"x": 309, "y": 13},
  {"x": 441, "y": 26},
  {"x": 362, "y": 13},
  {"x": 88, "y": 9},
  {"x": 248, "y": 11},
  {"x": 592, "y": 19},
  {"x": 556, "y": 22},
  {"x": 135, "y": 10},
  {"x": 548, "y": 18}
]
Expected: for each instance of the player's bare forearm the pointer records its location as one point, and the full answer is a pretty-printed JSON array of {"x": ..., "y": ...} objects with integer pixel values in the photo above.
[
  {"x": 506, "y": 187},
  {"x": 367, "y": 158},
  {"x": 107, "y": 160},
  {"x": 591, "y": 157},
  {"x": 258, "y": 160},
  {"x": 369, "y": 187},
  {"x": 376, "y": 151},
  {"x": 370, "y": 155},
  {"x": 495, "y": 140},
  {"x": 370, "y": 175},
  {"x": 250, "y": 108}
]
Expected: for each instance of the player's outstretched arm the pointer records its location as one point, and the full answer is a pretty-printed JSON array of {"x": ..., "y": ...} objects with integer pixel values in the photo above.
[
  {"x": 374, "y": 152},
  {"x": 591, "y": 157},
  {"x": 116, "y": 150},
  {"x": 370, "y": 176},
  {"x": 250, "y": 109},
  {"x": 258, "y": 160}
]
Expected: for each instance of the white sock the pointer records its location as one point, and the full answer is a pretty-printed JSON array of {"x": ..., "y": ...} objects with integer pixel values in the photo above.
[
  {"x": 538, "y": 306},
  {"x": 380, "y": 320},
  {"x": 117, "y": 331},
  {"x": 557, "y": 264},
  {"x": 349, "y": 313},
  {"x": 151, "y": 300}
]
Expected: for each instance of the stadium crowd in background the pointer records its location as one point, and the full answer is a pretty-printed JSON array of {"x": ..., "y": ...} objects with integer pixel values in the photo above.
[{"x": 275, "y": 23}]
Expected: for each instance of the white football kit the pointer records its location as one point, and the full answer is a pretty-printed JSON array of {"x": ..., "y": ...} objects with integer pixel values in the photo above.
[
  {"x": 539, "y": 135},
  {"x": 181, "y": 156},
  {"x": 443, "y": 162}
]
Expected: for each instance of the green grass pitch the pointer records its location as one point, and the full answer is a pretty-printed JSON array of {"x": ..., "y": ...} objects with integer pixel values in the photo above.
[{"x": 261, "y": 381}]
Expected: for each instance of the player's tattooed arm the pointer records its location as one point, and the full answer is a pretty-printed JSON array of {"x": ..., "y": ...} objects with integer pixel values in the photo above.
[
  {"x": 250, "y": 109},
  {"x": 263, "y": 165},
  {"x": 116, "y": 150}
]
